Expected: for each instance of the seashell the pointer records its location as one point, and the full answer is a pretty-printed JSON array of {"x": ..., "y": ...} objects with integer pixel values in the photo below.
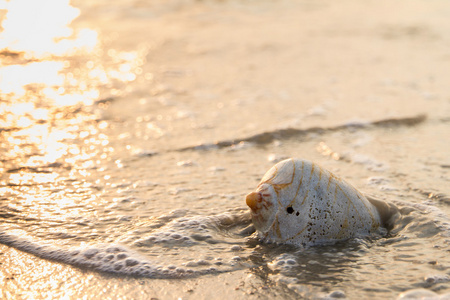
[{"x": 298, "y": 202}]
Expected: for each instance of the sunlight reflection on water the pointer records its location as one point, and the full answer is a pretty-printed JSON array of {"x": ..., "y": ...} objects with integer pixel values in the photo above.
[
  {"x": 34, "y": 34},
  {"x": 41, "y": 28},
  {"x": 42, "y": 57},
  {"x": 50, "y": 76}
]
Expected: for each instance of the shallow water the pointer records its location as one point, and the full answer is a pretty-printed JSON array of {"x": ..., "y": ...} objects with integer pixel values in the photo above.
[{"x": 129, "y": 143}]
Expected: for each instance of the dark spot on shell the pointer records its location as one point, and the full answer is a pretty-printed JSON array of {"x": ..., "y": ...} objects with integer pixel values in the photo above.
[
  {"x": 297, "y": 213},
  {"x": 289, "y": 210}
]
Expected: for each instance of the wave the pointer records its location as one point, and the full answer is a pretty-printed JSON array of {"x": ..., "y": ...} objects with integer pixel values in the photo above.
[{"x": 268, "y": 137}]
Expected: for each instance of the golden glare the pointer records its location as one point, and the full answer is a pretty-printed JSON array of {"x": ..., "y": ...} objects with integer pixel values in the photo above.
[
  {"x": 38, "y": 33},
  {"x": 41, "y": 28},
  {"x": 15, "y": 78},
  {"x": 51, "y": 74},
  {"x": 24, "y": 178},
  {"x": 325, "y": 150}
]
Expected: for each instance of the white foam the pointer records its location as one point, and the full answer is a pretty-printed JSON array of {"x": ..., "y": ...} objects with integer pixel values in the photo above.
[
  {"x": 283, "y": 263},
  {"x": 173, "y": 230},
  {"x": 422, "y": 294}
]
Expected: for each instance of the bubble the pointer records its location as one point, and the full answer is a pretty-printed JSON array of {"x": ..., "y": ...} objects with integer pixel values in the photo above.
[
  {"x": 176, "y": 236},
  {"x": 113, "y": 250},
  {"x": 419, "y": 294},
  {"x": 90, "y": 253},
  {"x": 131, "y": 262},
  {"x": 169, "y": 233},
  {"x": 291, "y": 262},
  {"x": 108, "y": 257},
  {"x": 236, "y": 248},
  {"x": 186, "y": 163},
  {"x": 275, "y": 158},
  {"x": 203, "y": 263},
  {"x": 122, "y": 256},
  {"x": 338, "y": 294},
  {"x": 434, "y": 279},
  {"x": 191, "y": 264},
  {"x": 283, "y": 263}
]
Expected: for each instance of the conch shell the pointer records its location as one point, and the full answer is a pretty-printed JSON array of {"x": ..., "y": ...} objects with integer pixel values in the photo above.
[{"x": 298, "y": 202}]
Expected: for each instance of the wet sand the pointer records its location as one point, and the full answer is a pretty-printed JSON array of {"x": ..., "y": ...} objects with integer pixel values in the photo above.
[{"x": 237, "y": 69}]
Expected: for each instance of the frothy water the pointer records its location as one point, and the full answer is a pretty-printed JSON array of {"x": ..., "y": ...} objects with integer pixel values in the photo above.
[
  {"x": 125, "y": 161},
  {"x": 172, "y": 234}
]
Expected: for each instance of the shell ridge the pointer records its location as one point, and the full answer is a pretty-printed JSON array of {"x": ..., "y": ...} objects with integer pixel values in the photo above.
[
  {"x": 296, "y": 193},
  {"x": 312, "y": 171},
  {"x": 351, "y": 202},
  {"x": 362, "y": 198},
  {"x": 279, "y": 186},
  {"x": 301, "y": 182},
  {"x": 304, "y": 198},
  {"x": 320, "y": 178},
  {"x": 277, "y": 227},
  {"x": 343, "y": 227},
  {"x": 269, "y": 180},
  {"x": 297, "y": 234},
  {"x": 375, "y": 223},
  {"x": 335, "y": 192},
  {"x": 330, "y": 176},
  {"x": 292, "y": 180}
]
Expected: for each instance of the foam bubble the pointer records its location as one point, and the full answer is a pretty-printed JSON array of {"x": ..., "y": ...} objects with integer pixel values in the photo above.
[
  {"x": 284, "y": 263},
  {"x": 172, "y": 232},
  {"x": 110, "y": 258},
  {"x": 422, "y": 294},
  {"x": 437, "y": 278}
]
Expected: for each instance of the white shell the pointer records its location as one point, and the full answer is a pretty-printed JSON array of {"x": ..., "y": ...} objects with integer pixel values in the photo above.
[{"x": 298, "y": 202}]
